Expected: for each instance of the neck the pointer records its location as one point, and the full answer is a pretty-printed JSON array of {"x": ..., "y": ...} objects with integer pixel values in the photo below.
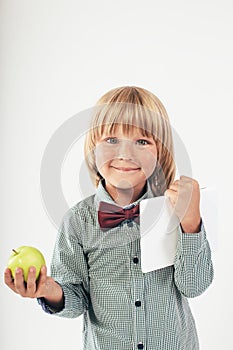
[{"x": 123, "y": 196}]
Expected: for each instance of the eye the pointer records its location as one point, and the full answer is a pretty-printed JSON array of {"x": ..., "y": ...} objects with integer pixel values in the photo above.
[
  {"x": 112, "y": 140},
  {"x": 142, "y": 142}
]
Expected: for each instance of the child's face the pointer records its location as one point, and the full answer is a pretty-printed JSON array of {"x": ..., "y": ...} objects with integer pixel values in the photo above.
[{"x": 126, "y": 161}]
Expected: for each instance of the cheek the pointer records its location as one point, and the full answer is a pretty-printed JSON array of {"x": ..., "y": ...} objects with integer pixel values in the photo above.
[
  {"x": 103, "y": 155},
  {"x": 148, "y": 162}
]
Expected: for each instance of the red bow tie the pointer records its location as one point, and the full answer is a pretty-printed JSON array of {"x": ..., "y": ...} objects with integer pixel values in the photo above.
[{"x": 110, "y": 215}]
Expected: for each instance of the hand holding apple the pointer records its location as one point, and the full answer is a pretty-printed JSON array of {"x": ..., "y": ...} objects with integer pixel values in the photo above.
[
  {"x": 24, "y": 257},
  {"x": 36, "y": 287}
]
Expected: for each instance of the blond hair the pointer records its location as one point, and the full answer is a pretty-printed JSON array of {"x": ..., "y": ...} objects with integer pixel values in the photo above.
[{"x": 133, "y": 106}]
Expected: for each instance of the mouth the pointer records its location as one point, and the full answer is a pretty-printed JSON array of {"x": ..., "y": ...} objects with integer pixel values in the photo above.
[{"x": 126, "y": 170}]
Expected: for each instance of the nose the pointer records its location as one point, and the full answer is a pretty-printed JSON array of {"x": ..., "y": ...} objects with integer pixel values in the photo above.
[{"x": 125, "y": 150}]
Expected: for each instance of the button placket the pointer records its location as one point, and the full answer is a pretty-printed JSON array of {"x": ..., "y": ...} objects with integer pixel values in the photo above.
[{"x": 138, "y": 311}]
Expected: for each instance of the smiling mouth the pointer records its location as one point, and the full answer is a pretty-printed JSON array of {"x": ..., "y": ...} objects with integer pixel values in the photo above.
[{"x": 122, "y": 169}]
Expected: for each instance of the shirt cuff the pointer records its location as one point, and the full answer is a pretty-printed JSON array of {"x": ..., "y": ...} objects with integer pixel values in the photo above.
[
  {"x": 192, "y": 243},
  {"x": 48, "y": 309}
]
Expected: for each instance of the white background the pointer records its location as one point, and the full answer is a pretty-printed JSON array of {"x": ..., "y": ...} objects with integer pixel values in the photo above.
[{"x": 57, "y": 58}]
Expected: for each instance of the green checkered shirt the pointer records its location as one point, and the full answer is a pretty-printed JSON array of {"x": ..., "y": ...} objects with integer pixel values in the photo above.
[{"x": 124, "y": 308}]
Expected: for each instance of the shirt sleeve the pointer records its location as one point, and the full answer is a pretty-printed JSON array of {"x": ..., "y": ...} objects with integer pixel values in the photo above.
[
  {"x": 69, "y": 268},
  {"x": 193, "y": 264}
]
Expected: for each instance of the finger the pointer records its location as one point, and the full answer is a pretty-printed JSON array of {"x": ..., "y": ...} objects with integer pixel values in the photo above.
[
  {"x": 174, "y": 187},
  {"x": 189, "y": 187},
  {"x": 179, "y": 183},
  {"x": 176, "y": 182},
  {"x": 172, "y": 195},
  {"x": 19, "y": 282},
  {"x": 42, "y": 278},
  {"x": 43, "y": 274},
  {"x": 8, "y": 279},
  {"x": 31, "y": 282},
  {"x": 186, "y": 178}
]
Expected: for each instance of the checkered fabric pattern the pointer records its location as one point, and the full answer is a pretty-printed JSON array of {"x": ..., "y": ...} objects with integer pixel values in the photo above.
[{"x": 122, "y": 307}]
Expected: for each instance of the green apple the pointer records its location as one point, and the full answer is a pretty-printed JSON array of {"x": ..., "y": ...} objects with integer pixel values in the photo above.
[{"x": 25, "y": 257}]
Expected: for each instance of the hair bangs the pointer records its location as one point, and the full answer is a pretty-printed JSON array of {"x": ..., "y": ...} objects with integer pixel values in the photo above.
[{"x": 125, "y": 116}]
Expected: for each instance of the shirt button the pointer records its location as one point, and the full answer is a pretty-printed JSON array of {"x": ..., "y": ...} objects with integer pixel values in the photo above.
[
  {"x": 135, "y": 260},
  {"x": 138, "y": 303},
  {"x": 129, "y": 223},
  {"x": 140, "y": 346}
]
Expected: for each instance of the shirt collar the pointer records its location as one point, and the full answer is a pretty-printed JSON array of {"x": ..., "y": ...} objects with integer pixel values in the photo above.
[{"x": 103, "y": 195}]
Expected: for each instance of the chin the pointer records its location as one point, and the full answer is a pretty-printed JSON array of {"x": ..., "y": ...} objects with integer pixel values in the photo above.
[{"x": 126, "y": 184}]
